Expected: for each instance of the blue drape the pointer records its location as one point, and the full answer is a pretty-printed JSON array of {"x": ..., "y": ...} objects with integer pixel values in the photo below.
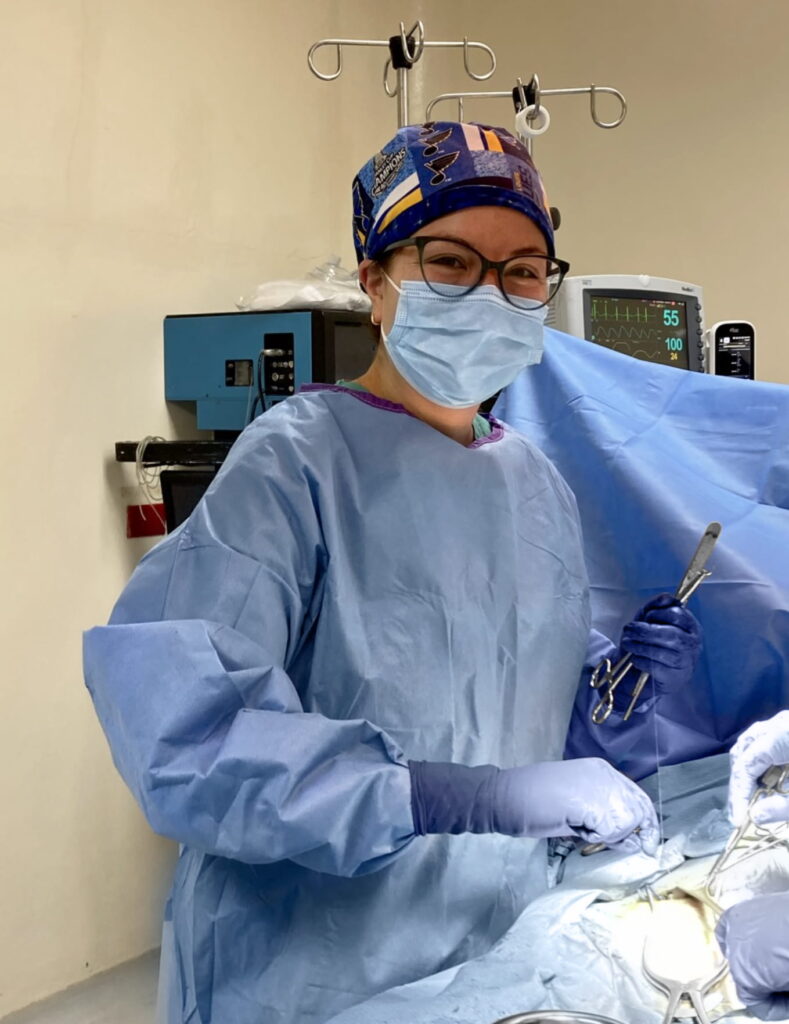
[{"x": 654, "y": 454}]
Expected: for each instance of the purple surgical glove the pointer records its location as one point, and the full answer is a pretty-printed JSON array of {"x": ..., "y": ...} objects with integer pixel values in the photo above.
[
  {"x": 664, "y": 639},
  {"x": 761, "y": 746},
  {"x": 754, "y": 937},
  {"x": 584, "y": 797}
]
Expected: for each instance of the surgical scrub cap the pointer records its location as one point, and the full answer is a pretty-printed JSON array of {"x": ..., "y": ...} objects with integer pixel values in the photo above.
[{"x": 429, "y": 170}]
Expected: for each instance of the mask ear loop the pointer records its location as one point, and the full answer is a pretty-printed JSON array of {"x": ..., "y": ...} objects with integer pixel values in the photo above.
[
  {"x": 396, "y": 287},
  {"x": 373, "y": 321},
  {"x": 399, "y": 291}
]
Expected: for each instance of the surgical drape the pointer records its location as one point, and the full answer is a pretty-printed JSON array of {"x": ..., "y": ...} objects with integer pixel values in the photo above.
[{"x": 653, "y": 454}]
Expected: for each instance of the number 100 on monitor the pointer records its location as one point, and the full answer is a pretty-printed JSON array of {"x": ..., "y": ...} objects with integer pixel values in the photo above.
[{"x": 651, "y": 318}]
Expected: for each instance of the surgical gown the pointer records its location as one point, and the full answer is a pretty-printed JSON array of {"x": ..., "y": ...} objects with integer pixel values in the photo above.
[{"x": 354, "y": 590}]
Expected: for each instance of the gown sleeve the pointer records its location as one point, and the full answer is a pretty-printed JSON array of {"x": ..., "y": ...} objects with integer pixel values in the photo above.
[{"x": 190, "y": 685}]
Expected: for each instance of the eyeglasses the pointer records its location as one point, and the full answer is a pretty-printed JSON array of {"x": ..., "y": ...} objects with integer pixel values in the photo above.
[{"x": 447, "y": 265}]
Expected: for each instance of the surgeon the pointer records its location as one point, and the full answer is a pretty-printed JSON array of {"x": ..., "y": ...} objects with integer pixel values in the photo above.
[
  {"x": 754, "y": 935},
  {"x": 344, "y": 685}
]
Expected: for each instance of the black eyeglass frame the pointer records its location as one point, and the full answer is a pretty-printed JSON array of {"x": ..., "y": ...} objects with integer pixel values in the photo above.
[{"x": 420, "y": 241}]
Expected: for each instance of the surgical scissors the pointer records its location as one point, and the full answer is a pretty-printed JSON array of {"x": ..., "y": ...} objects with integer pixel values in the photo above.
[{"x": 607, "y": 676}]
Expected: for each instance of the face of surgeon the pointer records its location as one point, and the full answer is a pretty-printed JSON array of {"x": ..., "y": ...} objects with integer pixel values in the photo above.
[{"x": 495, "y": 231}]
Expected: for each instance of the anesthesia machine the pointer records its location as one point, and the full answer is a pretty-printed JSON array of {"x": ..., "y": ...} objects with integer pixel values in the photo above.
[
  {"x": 229, "y": 367},
  {"x": 235, "y": 365}
]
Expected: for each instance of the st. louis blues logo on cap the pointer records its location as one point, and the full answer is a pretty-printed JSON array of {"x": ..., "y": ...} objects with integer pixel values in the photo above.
[{"x": 429, "y": 170}]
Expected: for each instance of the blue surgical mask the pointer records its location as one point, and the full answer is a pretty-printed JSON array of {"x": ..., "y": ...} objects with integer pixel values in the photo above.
[{"x": 458, "y": 351}]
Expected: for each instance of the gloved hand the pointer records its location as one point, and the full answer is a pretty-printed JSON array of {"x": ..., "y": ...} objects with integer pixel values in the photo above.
[
  {"x": 665, "y": 640},
  {"x": 754, "y": 937},
  {"x": 760, "y": 747},
  {"x": 584, "y": 797}
]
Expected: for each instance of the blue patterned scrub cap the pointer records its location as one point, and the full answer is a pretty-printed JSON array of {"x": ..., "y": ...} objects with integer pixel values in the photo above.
[{"x": 429, "y": 170}]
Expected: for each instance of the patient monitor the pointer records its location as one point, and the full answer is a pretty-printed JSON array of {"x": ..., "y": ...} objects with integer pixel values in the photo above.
[{"x": 652, "y": 318}]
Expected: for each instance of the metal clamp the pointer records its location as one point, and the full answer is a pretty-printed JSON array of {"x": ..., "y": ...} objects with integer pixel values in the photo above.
[
  {"x": 607, "y": 676},
  {"x": 773, "y": 781}
]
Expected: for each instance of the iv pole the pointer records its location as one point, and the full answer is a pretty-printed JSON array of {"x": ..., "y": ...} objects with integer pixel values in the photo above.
[{"x": 405, "y": 50}]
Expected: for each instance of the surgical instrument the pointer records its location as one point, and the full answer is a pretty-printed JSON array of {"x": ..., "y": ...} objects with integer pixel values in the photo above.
[
  {"x": 773, "y": 781},
  {"x": 555, "y": 1017},
  {"x": 608, "y": 676},
  {"x": 671, "y": 977},
  {"x": 693, "y": 990},
  {"x": 590, "y": 848}
]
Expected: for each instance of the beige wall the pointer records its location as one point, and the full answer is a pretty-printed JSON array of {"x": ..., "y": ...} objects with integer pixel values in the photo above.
[
  {"x": 155, "y": 156},
  {"x": 693, "y": 185},
  {"x": 164, "y": 156}
]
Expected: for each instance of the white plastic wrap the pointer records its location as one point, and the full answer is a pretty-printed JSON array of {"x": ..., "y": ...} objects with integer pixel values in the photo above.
[{"x": 329, "y": 286}]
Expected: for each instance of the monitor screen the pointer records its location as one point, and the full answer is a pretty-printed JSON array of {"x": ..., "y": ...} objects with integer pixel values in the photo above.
[
  {"x": 734, "y": 343},
  {"x": 354, "y": 349},
  {"x": 182, "y": 489},
  {"x": 653, "y": 326}
]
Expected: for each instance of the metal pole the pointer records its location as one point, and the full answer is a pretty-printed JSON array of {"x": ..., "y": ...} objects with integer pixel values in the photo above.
[{"x": 403, "y": 117}]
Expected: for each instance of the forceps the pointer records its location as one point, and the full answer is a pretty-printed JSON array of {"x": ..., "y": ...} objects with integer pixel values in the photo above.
[
  {"x": 773, "y": 781},
  {"x": 608, "y": 676}
]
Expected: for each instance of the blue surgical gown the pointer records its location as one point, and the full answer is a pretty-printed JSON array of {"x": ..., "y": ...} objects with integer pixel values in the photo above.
[{"x": 354, "y": 590}]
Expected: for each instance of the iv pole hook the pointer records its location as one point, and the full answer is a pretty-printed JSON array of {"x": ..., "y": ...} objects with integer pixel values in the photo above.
[
  {"x": 593, "y": 91},
  {"x": 320, "y": 74},
  {"x": 418, "y": 40},
  {"x": 479, "y": 46}
]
